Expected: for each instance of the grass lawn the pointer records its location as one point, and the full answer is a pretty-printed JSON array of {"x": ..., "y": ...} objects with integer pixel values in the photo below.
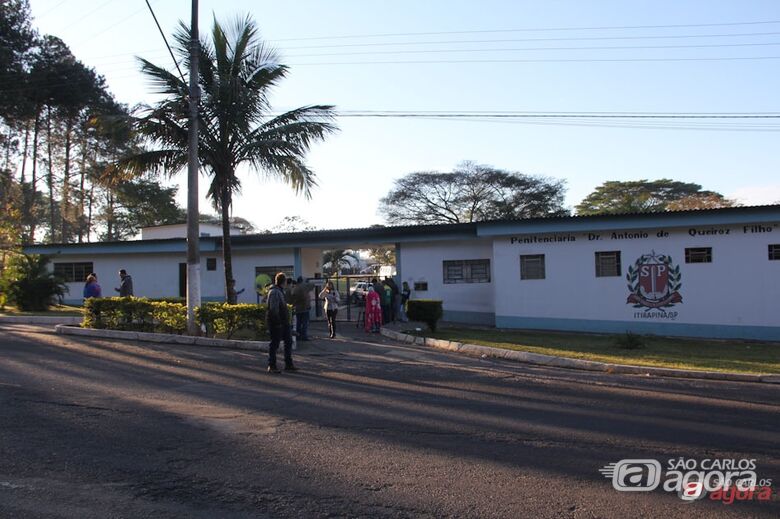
[
  {"x": 700, "y": 354},
  {"x": 59, "y": 310}
]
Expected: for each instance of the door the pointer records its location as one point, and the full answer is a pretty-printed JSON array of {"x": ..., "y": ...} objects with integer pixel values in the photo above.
[{"x": 182, "y": 280}]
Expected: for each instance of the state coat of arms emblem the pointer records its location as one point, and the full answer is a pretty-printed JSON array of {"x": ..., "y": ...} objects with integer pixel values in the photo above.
[{"x": 654, "y": 281}]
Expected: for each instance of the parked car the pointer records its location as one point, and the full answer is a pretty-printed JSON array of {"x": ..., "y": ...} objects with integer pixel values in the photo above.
[{"x": 359, "y": 291}]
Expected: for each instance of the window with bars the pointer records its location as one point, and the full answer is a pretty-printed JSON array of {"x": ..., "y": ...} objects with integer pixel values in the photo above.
[
  {"x": 73, "y": 272},
  {"x": 466, "y": 271},
  {"x": 532, "y": 266},
  {"x": 698, "y": 255},
  {"x": 211, "y": 263},
  {"x": 608, "y": 264},
  {"x": 774, "y": 251}
]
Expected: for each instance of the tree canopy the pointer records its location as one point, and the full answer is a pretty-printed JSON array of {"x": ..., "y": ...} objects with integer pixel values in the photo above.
[
  {"x": 471, "y": 193},
  {"x": 644, "y": 196},
  {"x": 237, "y": 125}
]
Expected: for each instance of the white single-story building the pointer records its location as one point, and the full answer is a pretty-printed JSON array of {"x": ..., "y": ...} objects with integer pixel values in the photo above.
[{"x": 705, "y": 273}]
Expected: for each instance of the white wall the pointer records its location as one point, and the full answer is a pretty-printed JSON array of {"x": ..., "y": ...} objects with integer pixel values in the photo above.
[
  {"x": 157, "y": 275},
  {"x": 740, "y": 287},
  {"x": 424, "y": 262}
]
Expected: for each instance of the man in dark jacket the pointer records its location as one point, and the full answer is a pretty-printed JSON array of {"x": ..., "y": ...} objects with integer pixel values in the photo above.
[
  {"x": 278, "y": 320},
  {"x": 126, "y": 284}
]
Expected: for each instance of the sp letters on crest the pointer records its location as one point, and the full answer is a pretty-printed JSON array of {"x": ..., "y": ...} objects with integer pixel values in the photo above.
[{"x": 654, "y": 282}]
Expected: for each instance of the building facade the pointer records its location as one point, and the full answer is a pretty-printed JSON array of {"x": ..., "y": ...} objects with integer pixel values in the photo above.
[{"x": 708, "y": 273}]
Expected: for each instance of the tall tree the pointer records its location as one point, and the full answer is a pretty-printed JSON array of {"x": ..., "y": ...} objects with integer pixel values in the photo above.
[
  {"x": 639, "y": 196},
  {"x": 236, "y": 124},
  {"x": 471, "y": 193},
  {"x": 136, "y": 204}
]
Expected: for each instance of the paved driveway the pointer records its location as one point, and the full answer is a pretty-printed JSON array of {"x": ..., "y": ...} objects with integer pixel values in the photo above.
[{"x": 104, "y": 428}]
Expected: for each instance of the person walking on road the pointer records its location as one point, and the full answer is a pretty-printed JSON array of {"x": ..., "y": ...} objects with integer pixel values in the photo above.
[
  {"x": 331, "y": 297},
  {"x": 126, "y": 284},
  {"x": 278, "y": 320}
]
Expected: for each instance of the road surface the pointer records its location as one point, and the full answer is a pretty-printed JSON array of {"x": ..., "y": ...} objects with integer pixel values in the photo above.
[{"x": 107, "y": 428}]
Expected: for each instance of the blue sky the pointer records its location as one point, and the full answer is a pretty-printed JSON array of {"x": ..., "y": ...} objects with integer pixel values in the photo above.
[{"x": 357, "y": 166}]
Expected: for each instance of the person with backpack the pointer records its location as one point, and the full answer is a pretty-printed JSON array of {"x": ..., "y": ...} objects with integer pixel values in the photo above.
[{"x": 278, "y": 320}]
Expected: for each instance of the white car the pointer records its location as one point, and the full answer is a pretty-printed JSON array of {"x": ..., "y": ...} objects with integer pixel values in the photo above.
[{"x": 359, "y": 290}]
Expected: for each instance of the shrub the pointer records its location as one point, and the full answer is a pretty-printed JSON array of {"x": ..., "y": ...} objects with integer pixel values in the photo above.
[
  {"x": 226, "y": 319},
  {"x": 149, "y": 315},
  {"x": 427, "y": 311},
  {"x": 629, "y": 341},
  {"x": 28, "y": 284}
]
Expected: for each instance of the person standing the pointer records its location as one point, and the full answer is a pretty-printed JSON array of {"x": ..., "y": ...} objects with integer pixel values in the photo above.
[
  {"x": 406, "y": 293},
  {"x": 387, "y": 301},
  {"x": 301, "y": 300},
  {"x": 125, "y": 285},
  {"x": 278, "y": 320},
  {"x": 331, "y": 297},
  {"x": 91, "y": 287},
  {"x": 373, "y": 311}
]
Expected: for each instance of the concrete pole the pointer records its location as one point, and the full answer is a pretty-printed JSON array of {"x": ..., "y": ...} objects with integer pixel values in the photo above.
[{"x": 193, "y": 227}]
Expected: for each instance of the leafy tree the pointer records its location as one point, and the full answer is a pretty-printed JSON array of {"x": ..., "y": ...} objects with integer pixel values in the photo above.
[
  {"x": 293, "y": 224},
  {"x": 236, "y": 124},
  {"x": 136, "y": 204},
  {"x": 17, "y": 39},
  {"x": 471, "y": 193},
  {"x": 641, "y": 196},
  {"x": 28, "y": 284},
  {"x": 383, "y": 255},
  {"x": 334, "y": 261},
  {"x": 242, "y": 224},
  {"x": 701, "y": 201}
]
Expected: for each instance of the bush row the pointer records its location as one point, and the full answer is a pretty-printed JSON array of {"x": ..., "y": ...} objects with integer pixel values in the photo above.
[{"x": 164, "y": 316}]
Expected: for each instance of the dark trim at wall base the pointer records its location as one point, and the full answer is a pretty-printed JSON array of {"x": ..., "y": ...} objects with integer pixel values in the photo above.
[
  {"x": 715, "y": 331},
  {"x": 482, "y": 318}
]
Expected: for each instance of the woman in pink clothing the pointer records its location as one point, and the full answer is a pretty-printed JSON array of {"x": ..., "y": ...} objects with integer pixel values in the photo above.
[{"x": 373, "y": 311}]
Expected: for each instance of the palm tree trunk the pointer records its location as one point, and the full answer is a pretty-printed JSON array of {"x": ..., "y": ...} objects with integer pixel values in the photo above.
[{"x": 227, "y": 252}]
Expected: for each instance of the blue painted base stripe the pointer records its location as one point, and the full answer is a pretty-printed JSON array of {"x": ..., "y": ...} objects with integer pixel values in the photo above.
[
  {"x": 457, "y": 316},
  {"x": 717, "y": 331}
]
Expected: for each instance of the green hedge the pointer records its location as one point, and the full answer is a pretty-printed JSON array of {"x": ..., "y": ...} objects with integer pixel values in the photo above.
[
  {"x": 427, "y": 311},
  {"x": 162, "y": 316}
]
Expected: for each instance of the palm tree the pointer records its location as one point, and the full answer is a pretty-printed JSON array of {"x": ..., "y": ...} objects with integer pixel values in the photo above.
[{"x": 237, "y": 125}]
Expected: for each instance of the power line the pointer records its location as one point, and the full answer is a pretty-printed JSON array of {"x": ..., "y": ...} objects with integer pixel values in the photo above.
[
  {"x": 628, "y": 47},
  {"x": 534, "y": 29},
  {"x": 594, "y": 60},
  {"x": 516, "y": 40},
  {"x": 166, "y": 41},
  {"x": 87, "y": 15},
  {"x": 47, "y": 13},
  {"x": 108, "y": 28}
]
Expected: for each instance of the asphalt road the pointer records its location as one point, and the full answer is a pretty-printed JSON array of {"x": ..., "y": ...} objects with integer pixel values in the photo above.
[{"x": 105, "y": 428}]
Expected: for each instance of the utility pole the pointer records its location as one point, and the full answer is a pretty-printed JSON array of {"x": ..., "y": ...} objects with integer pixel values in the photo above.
[{"x": 193, "y": 226}]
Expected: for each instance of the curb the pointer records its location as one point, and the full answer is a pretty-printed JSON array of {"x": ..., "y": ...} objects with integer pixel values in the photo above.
[
  {"x": 162, "y": 338},
  {"x": 562, "y": 362},
  {"x": 40, "y": 319}
]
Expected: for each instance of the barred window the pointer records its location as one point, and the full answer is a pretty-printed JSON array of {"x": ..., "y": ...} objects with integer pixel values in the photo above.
[
  {"x": 73, "y": 272},
  {"x": 211, "y": 263},
  {"x": 532, "y": 266},
  {"x": 608, "y": 264},
  {"x": 698, "y": 255},
  {"x": 774, "y": 251},
  {"x": 466, "y": 271}
]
